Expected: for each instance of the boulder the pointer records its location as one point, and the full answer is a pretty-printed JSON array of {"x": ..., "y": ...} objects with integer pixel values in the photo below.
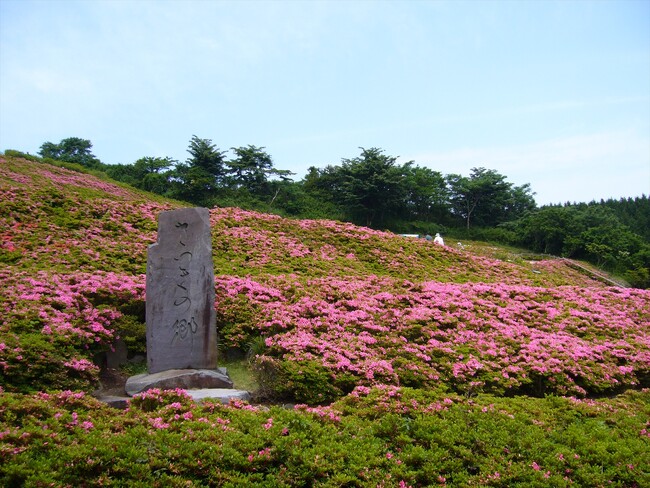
[
  {"x": 223, "y": 395},
  {"x": 186, "y": 379}
]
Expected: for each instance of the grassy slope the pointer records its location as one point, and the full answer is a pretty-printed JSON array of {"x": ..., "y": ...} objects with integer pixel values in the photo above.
[
  {"x": 59, "y": 220},
  {"x": 74, "y": 252}
]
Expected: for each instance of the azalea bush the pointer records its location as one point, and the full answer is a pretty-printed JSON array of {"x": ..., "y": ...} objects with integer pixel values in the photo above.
[
  {"x": 380, "y": 436},
  {"x": 57, "y": 219},
  {"x": 52, "y": 325},
  {"x": 474, "y": 337},
  {"x": 337, "y": 305},
  {"x": 252, "y": 244}
]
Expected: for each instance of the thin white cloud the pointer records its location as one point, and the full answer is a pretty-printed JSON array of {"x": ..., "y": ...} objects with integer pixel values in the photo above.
[
  {"x": 567, "y": 106},
  {"x": 574, "y": 168},
  {"x": 54, "y": 82}
]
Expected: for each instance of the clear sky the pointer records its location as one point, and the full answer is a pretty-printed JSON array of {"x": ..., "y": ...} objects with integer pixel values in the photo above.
[{"x": 555, "y": 94}]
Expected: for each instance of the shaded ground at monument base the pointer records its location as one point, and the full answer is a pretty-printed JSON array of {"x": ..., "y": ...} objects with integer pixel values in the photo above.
[
  {"x": 179, "y": 378},
  {"x": 199, "y": 384}
]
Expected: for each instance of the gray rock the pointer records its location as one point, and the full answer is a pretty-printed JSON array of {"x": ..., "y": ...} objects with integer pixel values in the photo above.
[
  {"x": 118, "y": 356},
  {"x": 186, "y": 379},
  {"x": 120, "y": 402},
  {"x": 223, "y": 395},
  {"x": 181, "y": 327}
]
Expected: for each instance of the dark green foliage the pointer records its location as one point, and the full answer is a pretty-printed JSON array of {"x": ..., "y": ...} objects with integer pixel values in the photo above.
[
  {"x": 634, "y": 213},
  {"x": 251, "y": 171},
  {"x": 427, "y": 195},
  {"x": 29, "y": 357},
  {"x": 148, "y": 173},
  {"x": 373, "y": 187},
  {"x": 202, "y": 175},
  {"x": 378, "y": 437},
  {"x": 305, "y": 382},
  {"x": 590, "y": 232},
  {"x": 71, "y": 150},
  {"x": 486, "y": 199}
]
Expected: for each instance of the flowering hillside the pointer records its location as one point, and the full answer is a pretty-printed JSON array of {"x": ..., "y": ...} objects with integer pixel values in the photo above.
[
  {"x": 348, "y": 305},
  {"x": 64, "y": 221},
  {"x": 407, "y": 343}
]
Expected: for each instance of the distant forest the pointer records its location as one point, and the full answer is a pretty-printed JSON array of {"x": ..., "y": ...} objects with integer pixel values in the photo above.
[{"x": 373, "y": 190}]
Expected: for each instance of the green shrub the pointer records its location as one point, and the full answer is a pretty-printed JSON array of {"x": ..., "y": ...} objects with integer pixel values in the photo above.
[
  {"x": 12, "y": 153},
  {"x": 382, "y": 436},
  {"x": 132, "y": 331},
  {"x": 10, "y": 257},
  {"x": 33, "y": 362},
  {"x": 305, "y": 382}
]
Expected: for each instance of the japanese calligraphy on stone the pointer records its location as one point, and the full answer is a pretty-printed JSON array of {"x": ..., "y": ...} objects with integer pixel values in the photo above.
[{"x": 181, "y": 330}]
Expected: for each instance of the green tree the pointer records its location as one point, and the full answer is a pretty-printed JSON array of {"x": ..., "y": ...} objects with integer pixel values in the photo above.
[
  {"x": 426, "y": 194},
  {"x": 148, "y": 173},
  {"x": 122, "y": 172},
  {"x": 252, "y": 170},
  {"x": 547, "y": 229},
  {"x": 201, "y": 177},
  {"x": 153, "y": 174},
  {"x": 633, "y": 212},
  {"x": 71, "y": 150},
  {"x": 486, "y": 199},
  {"x": 324, "y": 183},
  {"x": 521, "y": 202},
  {"x": 591, "y": 232},
  {"x": 294, "y": 200},
  {"x": 373, "y": 187},
  {"x": 323, "y": 189}
]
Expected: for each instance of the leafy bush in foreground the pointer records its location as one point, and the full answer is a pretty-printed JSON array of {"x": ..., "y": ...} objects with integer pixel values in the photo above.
[{"x": 382, "y": 436}]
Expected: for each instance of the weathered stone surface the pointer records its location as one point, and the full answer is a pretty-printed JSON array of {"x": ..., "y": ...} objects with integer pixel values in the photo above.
[
  {"x": 187, "y": 379},
  {"x": 181, "y": 328},
  {"x": 120, "y": 402},
  {"x": 118, "y": 356},
  {"x": 223, "y": 395}
]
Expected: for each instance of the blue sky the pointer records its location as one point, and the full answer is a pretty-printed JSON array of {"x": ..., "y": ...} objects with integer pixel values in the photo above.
[{"x": 555, "y": 94}]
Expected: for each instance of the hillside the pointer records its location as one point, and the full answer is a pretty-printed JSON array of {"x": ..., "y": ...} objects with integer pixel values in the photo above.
[
  {"x": 62, "y": 220},
  {"x": 330, "y": 296},
  {"x": 402, "y": 343}
]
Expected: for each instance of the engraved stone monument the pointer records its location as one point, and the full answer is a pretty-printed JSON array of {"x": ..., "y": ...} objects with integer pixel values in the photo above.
[
  {"x": 181, "y": 323},
  {"x": 181, "y": 328}
]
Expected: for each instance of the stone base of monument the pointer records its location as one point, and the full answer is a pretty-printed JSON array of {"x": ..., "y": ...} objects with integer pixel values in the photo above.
[
  {"x": 115, "y": 401},
  {"x": 200, "y": 384},
  {"x": 186, "y": 379},
  {"x": 223, "y": 395}
]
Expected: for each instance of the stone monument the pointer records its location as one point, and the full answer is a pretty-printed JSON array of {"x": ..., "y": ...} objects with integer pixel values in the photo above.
[
  {"x": 181, "y": 322},
  {"x": 181, "y": 327}
]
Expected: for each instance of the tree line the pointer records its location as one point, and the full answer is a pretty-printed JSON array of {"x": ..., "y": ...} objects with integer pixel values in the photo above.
[{"x": 374, "y": 190}]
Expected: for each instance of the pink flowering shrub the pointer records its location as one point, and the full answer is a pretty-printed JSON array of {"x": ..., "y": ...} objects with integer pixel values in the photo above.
[
  {"x": 53, "y": 324},
  {"x": 248, "y": 244},
  {"x": 474, "y": 336},
  {"x": 54, "y": 218},
  {"x": 155, "y": 399}
]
